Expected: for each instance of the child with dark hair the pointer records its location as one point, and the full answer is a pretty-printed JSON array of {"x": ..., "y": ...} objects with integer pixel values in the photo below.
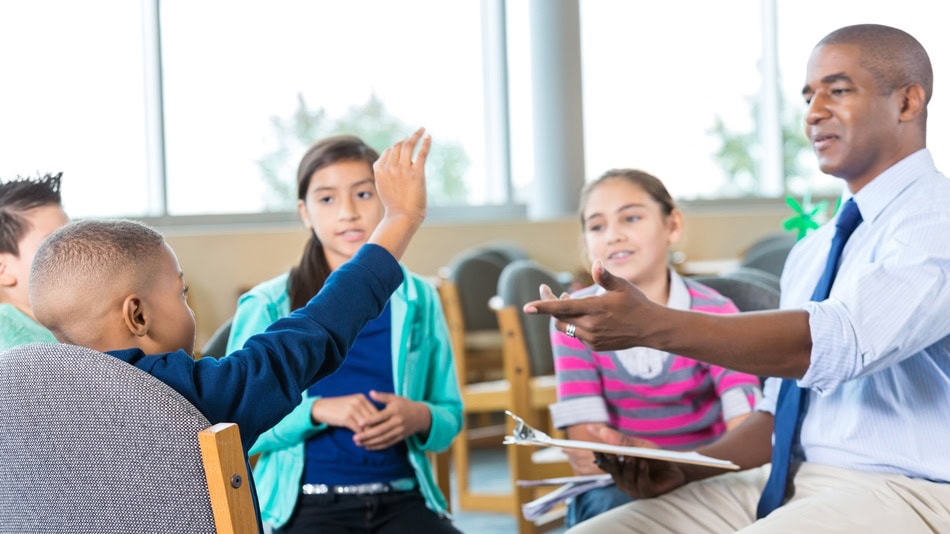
[
  {"x": 30, "y": 209},
  {"x": 351, "y": 457}
]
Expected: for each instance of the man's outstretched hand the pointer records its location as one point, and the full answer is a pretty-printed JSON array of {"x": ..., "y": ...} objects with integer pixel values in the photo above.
[{"x": 618, "y": 319}]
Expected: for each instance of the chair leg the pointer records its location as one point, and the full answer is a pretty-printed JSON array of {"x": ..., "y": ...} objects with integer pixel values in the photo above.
[
  {"x": 519, "y": 461},
  {"x": 460, "y": 461},
  {"x": 440, "y": 470},
  {"x": 467, "y": 499}
]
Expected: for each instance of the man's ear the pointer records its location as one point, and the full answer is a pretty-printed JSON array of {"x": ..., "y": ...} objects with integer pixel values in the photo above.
[
  {"x": 7, "y": 278},
  {"x": 133, "y": 312},
  {"x": 913, "y": 101}
]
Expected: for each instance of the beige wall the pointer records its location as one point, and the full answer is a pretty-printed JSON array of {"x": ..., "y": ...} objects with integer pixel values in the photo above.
[{"x": 218, "y": 263}]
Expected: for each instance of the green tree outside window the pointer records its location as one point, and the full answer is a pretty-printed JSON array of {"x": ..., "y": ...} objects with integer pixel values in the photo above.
[{"x": 372, "y": 123}]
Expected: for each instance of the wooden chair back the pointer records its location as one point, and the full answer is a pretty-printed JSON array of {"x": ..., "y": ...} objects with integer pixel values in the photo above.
[{"x": 228, "y": 480}]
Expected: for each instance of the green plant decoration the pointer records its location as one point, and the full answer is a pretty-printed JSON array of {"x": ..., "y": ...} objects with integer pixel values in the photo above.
[{"x": 807, "y": 216}]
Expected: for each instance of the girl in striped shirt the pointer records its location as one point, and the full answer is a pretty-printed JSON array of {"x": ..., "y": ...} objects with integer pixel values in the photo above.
[{"x": 629, "y": 222}]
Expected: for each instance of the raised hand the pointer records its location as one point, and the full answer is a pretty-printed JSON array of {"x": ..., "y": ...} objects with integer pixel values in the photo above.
[
  {"x": 401, "y": 184},
  {"x": 639, "y": 477},
  {"x": 350, "y": 411},
  {"x": 400, "y": 180},
  {"x": 617, "y": 319},
  {"x": 399, "y": 419}
]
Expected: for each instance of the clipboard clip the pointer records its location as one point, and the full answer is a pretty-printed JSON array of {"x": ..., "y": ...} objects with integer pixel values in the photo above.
[{"x": 524, "y": 433}]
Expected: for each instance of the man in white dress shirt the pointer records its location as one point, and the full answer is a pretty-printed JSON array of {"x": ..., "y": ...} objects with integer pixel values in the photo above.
[{"x": 869, "y": 450}]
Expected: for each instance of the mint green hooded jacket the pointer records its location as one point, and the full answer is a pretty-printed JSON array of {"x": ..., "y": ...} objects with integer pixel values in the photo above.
[
  {"x": 423, "y": 371},
  {"x": 17, "y": 328}
]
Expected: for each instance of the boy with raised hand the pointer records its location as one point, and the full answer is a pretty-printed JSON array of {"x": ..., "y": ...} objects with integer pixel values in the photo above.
[
  {"x": 30, "y": 209},
  {"x": 116, "y": 287}
]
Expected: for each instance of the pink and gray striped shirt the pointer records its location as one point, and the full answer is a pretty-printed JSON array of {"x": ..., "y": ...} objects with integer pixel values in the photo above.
[{"x": 676, "y": 402}]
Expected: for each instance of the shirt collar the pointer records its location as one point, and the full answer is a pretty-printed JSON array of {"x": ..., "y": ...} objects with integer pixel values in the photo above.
[
  {"x": 679, "y": 298},
  {"x": 887, "y": 186},
  {"x": 679, "y": 295}
]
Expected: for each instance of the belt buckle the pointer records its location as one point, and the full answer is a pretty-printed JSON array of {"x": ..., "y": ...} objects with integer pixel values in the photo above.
[
  {"x": 315, "y": 489},
  {"x": 372, "y": 488},
  {"x": 362, "y": 489}
]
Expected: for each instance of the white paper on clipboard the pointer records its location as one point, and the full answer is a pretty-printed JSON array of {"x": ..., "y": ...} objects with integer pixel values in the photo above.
[{"x": 524, "y": 434}]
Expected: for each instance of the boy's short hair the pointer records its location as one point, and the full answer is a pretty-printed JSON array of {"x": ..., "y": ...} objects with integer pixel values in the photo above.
[
  {"x": 18, "y": 196},
  {"x": 88, "y": 255}
]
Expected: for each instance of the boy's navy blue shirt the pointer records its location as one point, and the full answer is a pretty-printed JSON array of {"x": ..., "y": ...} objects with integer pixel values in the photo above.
[{"x": 258, "y": 385}]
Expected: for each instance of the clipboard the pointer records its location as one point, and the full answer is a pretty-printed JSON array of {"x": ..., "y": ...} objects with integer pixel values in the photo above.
[{"x": 524, "y": 434}]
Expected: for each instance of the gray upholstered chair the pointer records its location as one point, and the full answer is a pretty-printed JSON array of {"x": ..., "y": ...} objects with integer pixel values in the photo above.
[
  {"x": 777, "y": 239},
  {"x": 89, "y": 443},
  {"x": 769, "y": 254},
  {"x": 748, "y": 293},
  {"x": 507, "y": 251},
  {"x": 756, "y": 275},
  {"x": 517, "y": 285},
  {"x": 471, "y": 277},
  {"x": 217, "y": 344},
  {"x": 475, "y": 273}
]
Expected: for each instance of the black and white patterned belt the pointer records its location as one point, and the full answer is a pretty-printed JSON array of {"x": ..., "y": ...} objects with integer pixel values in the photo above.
[{"x": 402, "y": 484}]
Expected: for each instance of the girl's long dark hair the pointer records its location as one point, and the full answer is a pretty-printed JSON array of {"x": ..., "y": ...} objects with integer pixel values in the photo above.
[{"x": 311, "y": 273}]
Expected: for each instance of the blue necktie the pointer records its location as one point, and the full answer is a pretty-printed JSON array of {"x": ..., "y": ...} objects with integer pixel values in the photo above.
[{"x": 791, "y": 397}]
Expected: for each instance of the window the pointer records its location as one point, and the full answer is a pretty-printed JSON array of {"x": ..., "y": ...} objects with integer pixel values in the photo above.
[
  {"x": 73, "y": 101},
  {"x": 658, "y": 78},
  {"x": 689, "y": 108},
  {"x": 674, "y": 88},
  {"x": 249, "y": 86},
  {"x": 234, "y": 76}
]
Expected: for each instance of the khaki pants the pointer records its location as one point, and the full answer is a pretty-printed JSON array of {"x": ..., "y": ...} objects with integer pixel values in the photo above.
[{"x": 827, "y": 499}]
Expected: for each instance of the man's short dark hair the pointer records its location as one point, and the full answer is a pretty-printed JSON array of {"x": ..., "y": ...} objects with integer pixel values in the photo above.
[
  {"x": 894, "y": 57},
  {"x": 21, "y": 195}
]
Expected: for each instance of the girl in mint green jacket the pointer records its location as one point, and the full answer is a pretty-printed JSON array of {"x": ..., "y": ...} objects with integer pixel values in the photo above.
[{"x": 352, "y": 455}]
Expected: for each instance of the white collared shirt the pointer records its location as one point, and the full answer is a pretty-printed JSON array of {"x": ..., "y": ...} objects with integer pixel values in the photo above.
[
  {"x": 880, "y": 363},
  {"x": 644, "y": 362}
]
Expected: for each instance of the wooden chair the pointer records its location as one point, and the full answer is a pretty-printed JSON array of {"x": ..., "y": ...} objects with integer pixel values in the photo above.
[
  {"x": 529, "y": 369},
  {"x": 530, "y": 397},
  {"x": 228, "y": 483},
  {"x": 91, "y": 444},
  {"x": 485, "y": 397},
  {"x": 474, "y": 274}
]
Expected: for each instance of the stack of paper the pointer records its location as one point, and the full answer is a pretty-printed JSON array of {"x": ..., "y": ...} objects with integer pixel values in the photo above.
[{"x": 572, "y": 486}]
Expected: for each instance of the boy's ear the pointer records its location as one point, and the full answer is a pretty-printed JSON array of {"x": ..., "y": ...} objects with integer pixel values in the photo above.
[
  {"x": 7, "y": 278},
  {"x": 133, "y": 312}
]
